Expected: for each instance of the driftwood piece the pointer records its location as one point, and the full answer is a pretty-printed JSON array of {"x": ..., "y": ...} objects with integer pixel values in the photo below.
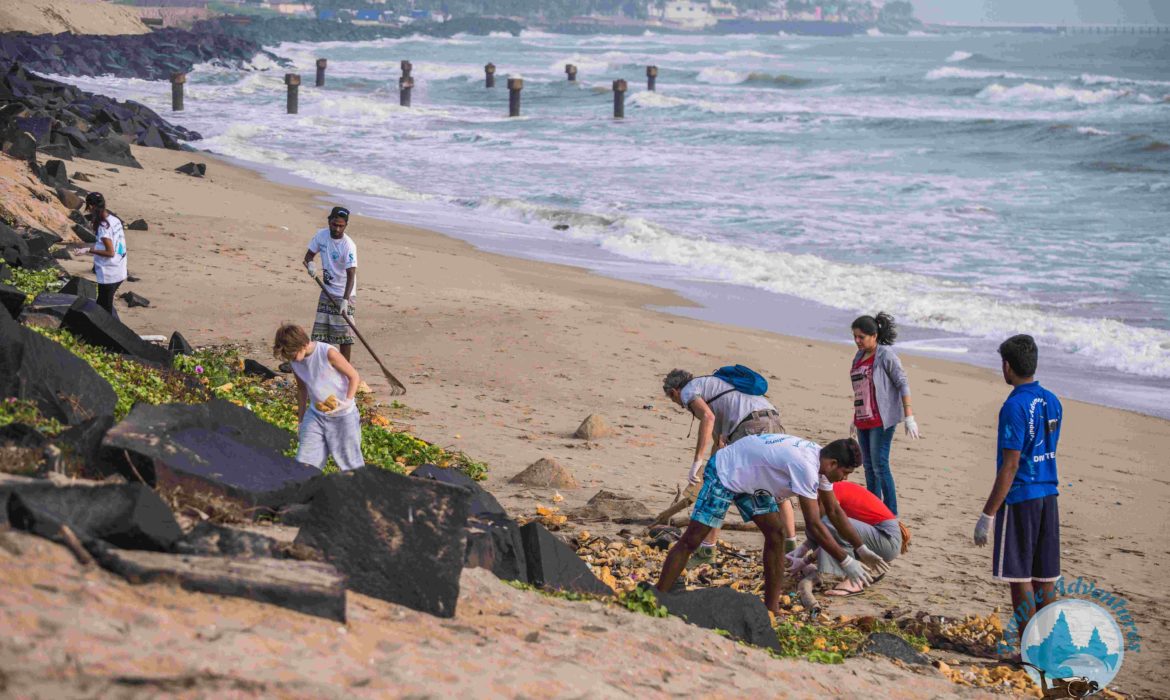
[{"x": 309, "y": 587}]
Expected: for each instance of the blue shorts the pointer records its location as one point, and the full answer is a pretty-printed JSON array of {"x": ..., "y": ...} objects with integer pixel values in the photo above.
[
  {"x": 714, "y": 499},
  {"x": 1027, "y": 541}
]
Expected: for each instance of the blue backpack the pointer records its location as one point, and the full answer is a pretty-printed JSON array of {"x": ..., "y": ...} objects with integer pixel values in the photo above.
[{"x": 744, "y": 379}]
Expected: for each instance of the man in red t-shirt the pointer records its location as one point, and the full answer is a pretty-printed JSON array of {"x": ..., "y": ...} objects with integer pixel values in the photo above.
[{"x": 874, "y": 522}]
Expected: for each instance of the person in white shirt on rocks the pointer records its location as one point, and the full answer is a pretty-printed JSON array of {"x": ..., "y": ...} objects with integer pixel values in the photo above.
[
  {"x": 109, "y": 252},
  {"x": 339, "y": 273},
  {"x": 755, "y": 473}
]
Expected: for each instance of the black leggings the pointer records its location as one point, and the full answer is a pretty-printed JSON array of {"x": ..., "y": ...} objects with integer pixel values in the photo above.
[{"x": 106, "y": 296}]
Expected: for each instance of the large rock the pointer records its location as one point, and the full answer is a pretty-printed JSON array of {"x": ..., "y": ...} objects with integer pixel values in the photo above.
[
  {"x": 606, "y": 505},
  {"x": 742, "y": 615},
  {"x": 193, "y": 169},
  {"x": 219, "y": 540},
  {"x": 395, "y": 538},
  {"x": 496, "y": 545},
  {"x": 215, "y": 446},
  {"x": 54, "y": 174},
  {"x": 892, "y": 646},
  {"x": 309, "y": 587},
  {"x": 255, "y": 369},
  {"x": 130, "y": 516},
  {"x": 96, "y": 326},
  {"x": 482, "y": 504},
  {"x": 79, "y": 286},
  {"x": 552, "y": 564},
  {"x": 134, "y": 300},
  {"x": 593, "y": 427},
  {"x": 179, "y": 345},
  {"x": 63, "y": 385},
  {"x": 13, "y": 247},
  {"x": 21, "y": 145},
  {"x": 546, "y": 472},
  {"x": 82, "y": 445},
  {"x": 12, "y": 299},
  {"x": 53, "y": 304}
]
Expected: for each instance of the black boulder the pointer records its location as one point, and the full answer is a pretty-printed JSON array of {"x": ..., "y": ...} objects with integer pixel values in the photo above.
[
  {"x": 130, "y": 516},
  {"x": 553, "y": 564},
  {"x": 96, "y": 326},
  {"x": 742, "y": 615}
]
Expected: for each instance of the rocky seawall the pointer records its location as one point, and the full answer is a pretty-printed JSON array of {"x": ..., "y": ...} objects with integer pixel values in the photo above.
[{"x": 271, "y": 31}]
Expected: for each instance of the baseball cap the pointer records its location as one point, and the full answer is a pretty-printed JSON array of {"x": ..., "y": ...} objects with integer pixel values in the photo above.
[
  {"x": 339, "y": 211},
  {"x": 95, "y": 199}
]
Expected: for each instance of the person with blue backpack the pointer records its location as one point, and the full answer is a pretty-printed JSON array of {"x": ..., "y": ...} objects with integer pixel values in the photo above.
[
  {"x": 729, "y": 405},
  {"x": 881, "y": 400}
]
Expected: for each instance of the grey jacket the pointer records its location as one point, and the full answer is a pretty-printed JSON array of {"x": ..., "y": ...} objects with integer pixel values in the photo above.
[{"x": 890, "y": 384}]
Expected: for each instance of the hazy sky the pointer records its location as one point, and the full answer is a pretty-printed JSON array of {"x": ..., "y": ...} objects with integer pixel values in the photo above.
[{"x": 1045, "y": 11}]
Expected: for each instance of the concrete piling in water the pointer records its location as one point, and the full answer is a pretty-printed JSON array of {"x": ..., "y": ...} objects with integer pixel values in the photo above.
[
  {"x": 619, "y": 99},
  {"x": 489, "y": 75},
  {"x": 293, "y": 81},
  {"x": 651, "y": 77},
  {"x": 405, "y": 83},
  {"x": 321, "y": 63},
  {"x": 515, "y": 85},
  {"x": 571, "y": 72},
  {"x": 177, "y": 81}
]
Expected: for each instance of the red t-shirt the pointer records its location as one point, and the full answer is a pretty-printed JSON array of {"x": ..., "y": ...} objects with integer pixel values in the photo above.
[
  {"x": 865, "y": 408},
  {"x": 859, "y": 504}
]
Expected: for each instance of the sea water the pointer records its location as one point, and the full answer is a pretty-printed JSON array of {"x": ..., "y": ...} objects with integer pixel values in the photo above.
[{"x": 973, "y": 185}]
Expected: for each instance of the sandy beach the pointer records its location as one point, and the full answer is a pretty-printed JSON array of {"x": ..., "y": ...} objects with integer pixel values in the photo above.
[{"x": 503, "y": 358}]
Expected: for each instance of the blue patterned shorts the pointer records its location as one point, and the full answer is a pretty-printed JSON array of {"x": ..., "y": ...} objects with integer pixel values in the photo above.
[{"x": 715, "y": 499}]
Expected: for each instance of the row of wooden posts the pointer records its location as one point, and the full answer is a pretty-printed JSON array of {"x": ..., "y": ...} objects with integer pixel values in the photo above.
[{"x": 406, "y": 83}]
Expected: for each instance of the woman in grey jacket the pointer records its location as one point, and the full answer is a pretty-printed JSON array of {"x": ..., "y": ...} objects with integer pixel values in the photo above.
[{"x": 881, "y": 400}]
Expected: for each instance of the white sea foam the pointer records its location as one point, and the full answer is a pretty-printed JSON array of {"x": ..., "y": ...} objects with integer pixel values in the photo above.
[
  {"x": 958, "y": 56},
  {"x": 1091, "y": 79},
  {"x": 1091, "y": 131},
  {"x": 721, "y": 76},
  {"x": 1030, "y": 93},
  {"x": 951, "y": 72}
]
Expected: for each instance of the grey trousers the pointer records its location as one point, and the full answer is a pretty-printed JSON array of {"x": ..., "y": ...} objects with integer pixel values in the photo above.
[
  {"x": 340, "y": 436},
  {"x": 763, "y": 425},
  {"x": 881, "y": 540}
]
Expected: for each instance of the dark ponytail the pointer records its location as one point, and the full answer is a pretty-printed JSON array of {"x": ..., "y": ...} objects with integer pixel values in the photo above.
[
  {"x": 882, "y": 326},
  {"x": 846, "y": 451}
]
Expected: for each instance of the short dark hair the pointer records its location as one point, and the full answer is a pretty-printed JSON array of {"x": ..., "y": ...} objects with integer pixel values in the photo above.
[
  {"x": 882, "y": 326},
  {"x": 846, "y": 451},
  {"x": 1020, "y": 352}
]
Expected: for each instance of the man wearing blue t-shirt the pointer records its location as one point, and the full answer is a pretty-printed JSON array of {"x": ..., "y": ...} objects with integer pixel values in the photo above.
[{"x": 1022, "y": 505}]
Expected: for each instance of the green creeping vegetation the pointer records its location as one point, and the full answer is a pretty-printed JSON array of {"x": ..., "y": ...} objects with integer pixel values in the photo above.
[
  {"x": 829, "y": 645},
  {"x": 33, "y": 282},
  {"x": 26, "y": 412},
  {"x": 639, "y": 600},
  {"x": 217, "y": 373}
]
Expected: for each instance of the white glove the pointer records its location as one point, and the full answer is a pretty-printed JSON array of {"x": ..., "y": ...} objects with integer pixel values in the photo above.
[
  {"x": 873, "y": 560},
  {"x": 854, "y": 571},
  {"x": 343, "y": 307},
  {"x": 695, "y": 476},
  {"x": 982, "y": 528},
  {"x": 798, "y": 559},
  {"x": 911, "y": 427},
  {"x": 312, "y": 268}
]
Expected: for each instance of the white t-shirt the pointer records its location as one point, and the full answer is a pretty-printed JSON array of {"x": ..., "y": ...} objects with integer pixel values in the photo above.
[
  {"x": 781, "y": 465},
  {"x": 110, "y": 270},
  {"x": 322, "y": 379},
  {"x": 337, "y": 256},
  {"x": 729, "y": 409}
]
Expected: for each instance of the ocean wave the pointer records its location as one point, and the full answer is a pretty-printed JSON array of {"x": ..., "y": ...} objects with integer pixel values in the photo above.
[
  {"x": 1092, "y": 131},
  {"x": 1031, "y": 93},
  {"x": 714, "y": 75},
  {"x": 1091, "y": 79},
  {"x": 951, "y": 72},
  {"x": 959, "y": 56},
  {"x": 916, "y": 299}
]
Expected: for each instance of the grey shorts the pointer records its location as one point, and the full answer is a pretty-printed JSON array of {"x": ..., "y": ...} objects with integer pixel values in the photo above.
[
  {"x": 340, "y": 436},
  {"x": 758, "y": 425}
]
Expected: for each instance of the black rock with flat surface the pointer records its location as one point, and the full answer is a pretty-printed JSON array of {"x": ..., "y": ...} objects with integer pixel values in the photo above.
[
  {"x": 138, "y": 225},
  {"x": 179, "y": 345},
  {"x": 81, "y": 287},
  {"x": 496, "y": 545},
  {"x": 256, "y": 369},
  {"x": 395, "y": 538},
  {"x": 96, "y": 326},
  {"x": 219, "y": 540},
  {"x": 12, "y": 299},
  {"x": 134, "y": 300},
  {"x": 53, "y": 304},
  {"x": 215, "y": 446},
  {"x": 892, "y": 646},
  {"x": 742, "y": 615},
  {"x": 193, "y": 169},
  {"x": 483, "y": 504},
  {"x": 553, "y": 564},
  {"x": 130, "y": 516},
  {"x": 63, "y": 385}
]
